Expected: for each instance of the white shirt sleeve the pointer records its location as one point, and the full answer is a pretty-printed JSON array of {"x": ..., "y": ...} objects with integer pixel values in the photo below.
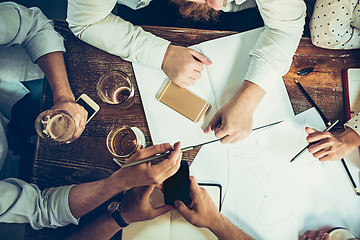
[
  {"x": 354, "y": 123},
  {"x": 272, "y": 56},
  {"x": 30, "y": 28},
  {"x": 21, "y": 202},
  {"x": 331, "y": 25},
  {"x": 93, "y": 22}
]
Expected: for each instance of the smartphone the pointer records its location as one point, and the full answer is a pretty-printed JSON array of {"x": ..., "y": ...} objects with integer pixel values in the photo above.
[
  {"x": 90, "y": 106},
  {"x": 183, "y": 101},
  {"x": 177, "y": 187}
]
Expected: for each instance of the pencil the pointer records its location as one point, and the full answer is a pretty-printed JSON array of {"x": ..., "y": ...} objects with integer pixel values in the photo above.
[
  {"x": 166, "y": 154},
  {"x": 303, "y": 150},
  {"x": 322, "y": 115},
  {"x": 328, "y": 123}
]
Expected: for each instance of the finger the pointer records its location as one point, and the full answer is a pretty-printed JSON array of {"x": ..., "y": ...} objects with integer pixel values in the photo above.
[
  {"x": 305, "y": 235},
  {"x": 169, "y": 166},
  {"x": 215, "y": 121},
  {"x": 327, "y": 158},
  {"x": 321, "y": 145},
  {"x": 194, "y": 188},
  {"x": 183, "y": 210},
  {"x": 201, "y": 57},
  {"x": 151, "y": 151},
  {"x": 318, "y": 136},
  {"x": 321, "y": 153},
  {"x": 223, "y": 131},
  {"x": 310, "y": 130}
]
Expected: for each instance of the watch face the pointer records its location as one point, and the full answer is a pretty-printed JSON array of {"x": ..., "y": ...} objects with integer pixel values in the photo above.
[{"x": 113, "y": 206}]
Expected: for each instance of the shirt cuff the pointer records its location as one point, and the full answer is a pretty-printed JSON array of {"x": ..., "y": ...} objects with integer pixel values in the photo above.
[
  {"x": 65, "y": 215},
  {"x": 44, "y": 42},
  {"x": 354, "y": 124},
  {"x": 155, "y": 53},
  {"x": 262, "y": 74}
]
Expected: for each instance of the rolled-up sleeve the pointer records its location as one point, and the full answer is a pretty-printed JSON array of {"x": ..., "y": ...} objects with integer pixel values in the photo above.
[
  {"x": 30, "y": 28},
  {"x": 21, "y": 202},
  {"x": 354, "y": 123},
  {"x": 93, "y": 22},
  {"x": 272, "y": 56}
]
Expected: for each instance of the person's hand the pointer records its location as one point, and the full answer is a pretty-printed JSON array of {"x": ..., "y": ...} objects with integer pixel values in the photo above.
[
  {"x": 135, "y": 206},
  {"x": 183, "y": 65},
  {"x": 320, "y": 234},
  {"x": 78, "y": 113},
  {"x": 233, "y": 121},
  {"x": 202, "y": 211},
  {"x": 147, "y": 174},
  {"x": 327, "y": 147}
]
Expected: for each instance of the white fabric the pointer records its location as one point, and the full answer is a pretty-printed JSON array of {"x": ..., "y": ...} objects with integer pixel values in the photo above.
[
  {"x": 35, "y": 33},
  {"x": 354, "y": 123},
  {"x": 21, "y": 202},
  {"x": 93, "y": 22},
  {"x": 335, "y": 24}
]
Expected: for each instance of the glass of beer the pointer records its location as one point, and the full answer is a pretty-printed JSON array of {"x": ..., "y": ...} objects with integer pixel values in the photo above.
[
  {"x": 55, "y": 126},
  {"x": 116, "y": 88},
  {"x": 125, "y": 141}
]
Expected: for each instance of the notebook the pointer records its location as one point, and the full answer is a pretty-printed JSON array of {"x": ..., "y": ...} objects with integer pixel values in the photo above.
[
  {"x": 351, "y": 77},
  {"x": 171, "y": 225}
]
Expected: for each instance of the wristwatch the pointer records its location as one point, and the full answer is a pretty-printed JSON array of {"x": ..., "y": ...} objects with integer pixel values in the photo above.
[{"x": 114, "y": 211}]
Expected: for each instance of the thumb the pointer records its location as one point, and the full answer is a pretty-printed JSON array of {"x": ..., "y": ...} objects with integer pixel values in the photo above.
[
  {"x": 310, "y": 130},
  {"x": 161, "y": 210},
  {"x": 182, "y": 209},
  {"x": 201, "y": 57}
]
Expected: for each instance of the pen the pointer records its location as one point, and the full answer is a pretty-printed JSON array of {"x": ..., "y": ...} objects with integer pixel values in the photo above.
[
  {"x": 327, "y": 121},
  {"x": 166, "y": 154},
  {"x": 326, "y": 130}
]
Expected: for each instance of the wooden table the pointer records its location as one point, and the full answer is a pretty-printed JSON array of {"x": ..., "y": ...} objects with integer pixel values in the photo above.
[{"x": 87, "y": 159}]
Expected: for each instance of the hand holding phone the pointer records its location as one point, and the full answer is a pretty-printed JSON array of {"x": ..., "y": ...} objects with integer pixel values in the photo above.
[{"x": 177, "y": 187}]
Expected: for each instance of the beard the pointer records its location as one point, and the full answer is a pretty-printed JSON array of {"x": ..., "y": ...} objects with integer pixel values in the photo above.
[{"x": 196, "y": 11}]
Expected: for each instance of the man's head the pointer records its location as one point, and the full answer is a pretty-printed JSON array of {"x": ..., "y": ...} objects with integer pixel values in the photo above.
[{"x": 200, "y": 10}]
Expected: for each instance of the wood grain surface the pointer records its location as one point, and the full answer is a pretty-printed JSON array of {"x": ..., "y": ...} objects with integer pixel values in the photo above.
[{"x": 87, "y": 159}]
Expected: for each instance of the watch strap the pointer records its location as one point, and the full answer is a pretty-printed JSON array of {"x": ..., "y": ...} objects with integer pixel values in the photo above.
[{"x": 118, "y": 218}]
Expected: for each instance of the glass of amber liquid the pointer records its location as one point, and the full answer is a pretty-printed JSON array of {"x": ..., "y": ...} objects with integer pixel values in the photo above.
[
  {"x": 125, "y": 141},
  {"x": 115, "y": 87},
  {"x": 55, "y": 126}
]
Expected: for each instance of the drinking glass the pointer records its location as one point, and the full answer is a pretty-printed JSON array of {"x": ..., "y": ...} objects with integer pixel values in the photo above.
[
  {"x": 56, "y": 126},
  {"x": 125, "y": 141},
  {"x": 116, "y": 87}
]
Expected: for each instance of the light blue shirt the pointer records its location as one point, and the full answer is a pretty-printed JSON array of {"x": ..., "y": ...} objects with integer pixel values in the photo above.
[{"x": 21, "y": 202}]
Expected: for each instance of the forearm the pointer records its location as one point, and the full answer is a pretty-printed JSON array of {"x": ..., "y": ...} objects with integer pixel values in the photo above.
[
  {"x": 53, "y": 66},
  {"x": 102, "y": 228},
  {"x": 225, "y": 230},
  {"x": 87, "y": 196},
  {"x": 249, "y": 95}
]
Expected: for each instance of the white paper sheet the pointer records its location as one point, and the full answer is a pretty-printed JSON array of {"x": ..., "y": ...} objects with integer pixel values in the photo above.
[
  {"x": 230, "y": 57},
  {"x": 219, "y": 82}
]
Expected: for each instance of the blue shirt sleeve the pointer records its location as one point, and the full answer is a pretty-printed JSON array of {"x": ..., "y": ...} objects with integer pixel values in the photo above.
[
  {"x": 21, "y": 202},
  {"x": 30, "y": 28}
]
